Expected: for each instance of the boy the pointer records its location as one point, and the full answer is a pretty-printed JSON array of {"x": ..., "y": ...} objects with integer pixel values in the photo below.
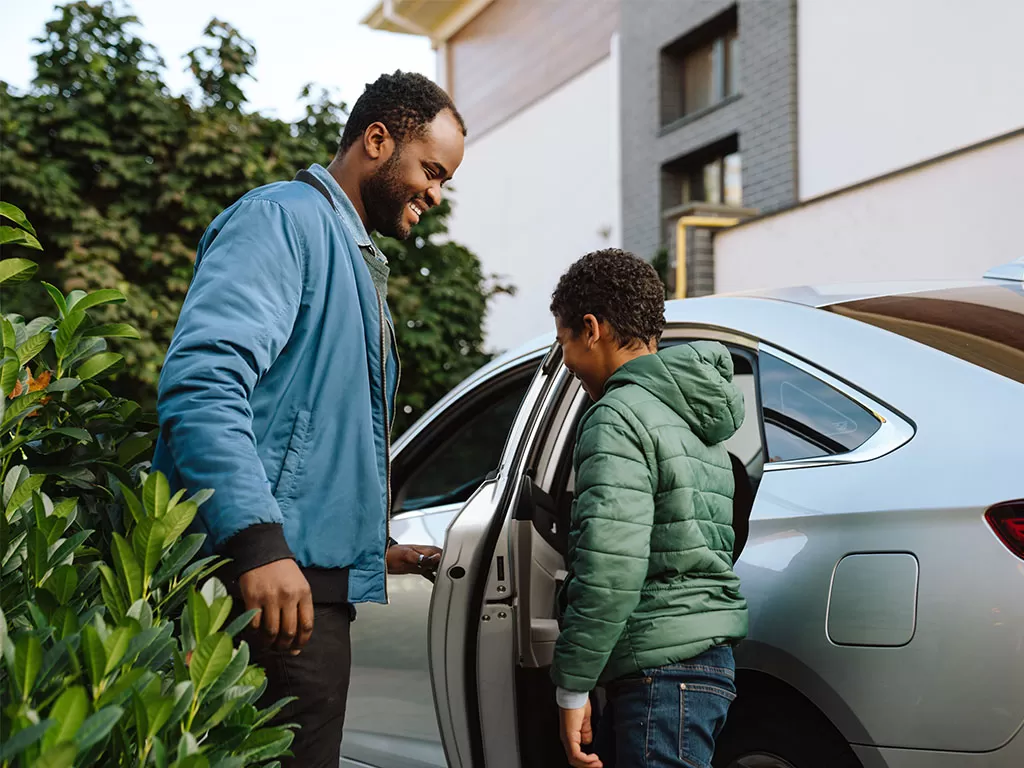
[{"x": 652, "y": 606}]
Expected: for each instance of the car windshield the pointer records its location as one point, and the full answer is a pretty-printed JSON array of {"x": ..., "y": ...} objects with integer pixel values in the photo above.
[{"x": 983, "y": 324}]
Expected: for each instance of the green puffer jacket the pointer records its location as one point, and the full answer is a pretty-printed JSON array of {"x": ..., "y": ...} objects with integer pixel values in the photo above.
[{"x": 650, "y": 546}]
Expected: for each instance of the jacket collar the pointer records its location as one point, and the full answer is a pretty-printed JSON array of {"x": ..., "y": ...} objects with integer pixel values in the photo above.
[{"x": 346, "y": 211}]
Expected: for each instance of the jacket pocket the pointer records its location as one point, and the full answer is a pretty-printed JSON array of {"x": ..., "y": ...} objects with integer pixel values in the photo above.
[{"x": 294, "y": 459}]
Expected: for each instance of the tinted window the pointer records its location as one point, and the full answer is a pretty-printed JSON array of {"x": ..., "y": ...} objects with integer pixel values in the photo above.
[
  {"x": 983, "y": 325},
  {"x": 456, "y": 468},
  {"x": 806, "y": 418}
]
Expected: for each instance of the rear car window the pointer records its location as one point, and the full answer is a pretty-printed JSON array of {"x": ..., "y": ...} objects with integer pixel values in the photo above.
[
  {"x": 983, "y": 325},
  {"x": 805, "y": 418}
]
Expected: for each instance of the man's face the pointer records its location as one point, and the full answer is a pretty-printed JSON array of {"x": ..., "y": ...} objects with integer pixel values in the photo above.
[
  {"x": 409, "y": 181},
  {"x": 581, "y": 354}
]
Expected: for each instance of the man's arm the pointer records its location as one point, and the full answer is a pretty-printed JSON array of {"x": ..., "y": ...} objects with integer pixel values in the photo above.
[
  {"x": 614, "y": 514},
  {"x": 237, "y": 317}
]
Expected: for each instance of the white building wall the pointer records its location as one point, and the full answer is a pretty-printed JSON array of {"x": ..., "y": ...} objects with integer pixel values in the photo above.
[
  {"x": 885, "y": 84},
  {"x": 538, "y": 192},
  {"x": 954, "y": 219}
]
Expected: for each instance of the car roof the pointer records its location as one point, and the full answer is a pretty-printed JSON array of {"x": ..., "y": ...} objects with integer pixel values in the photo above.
[{"x": 827, "y": 294}]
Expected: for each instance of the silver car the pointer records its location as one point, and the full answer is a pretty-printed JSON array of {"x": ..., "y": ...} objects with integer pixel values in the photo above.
[{"x": 881, "y": 466}]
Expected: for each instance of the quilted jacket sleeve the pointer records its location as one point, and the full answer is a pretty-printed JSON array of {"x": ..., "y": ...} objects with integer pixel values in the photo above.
[{"x": 611, "y": 534}]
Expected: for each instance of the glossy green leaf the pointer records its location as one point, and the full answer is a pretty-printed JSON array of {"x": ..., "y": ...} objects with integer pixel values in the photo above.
[
  {"x": 20, "y": 406},
  {"x": 57, "y": 297},
  {"x": 9, "y": 372},
  {"x": 232, "y": 673},
  {"x": 112, "y": 330},
  {"x": 15, "y": 214},
  {"x": 63, "y": 582},
  {"x": 266, "y": 743},
  {"x": 17, "y": 270},
  {"x": 98, "y": 364},
  {"x": 148, "y": 543},
  {"x": 65, "y": 549},
  {"x": 132, "y": 448},
  {"x": 209, "y": 660},
  {"x": 155, "y": 494},
  {"x": 128, "y": 568},
  {"x": 23, "y": 492},
  {"x": 59, "y": 756},
  {"x": 63, "y": 385},
  {"x": 38, "y": 554},
  {"x": 94, "y": 654},
  {"x": 179, "y": 556},
  {"x": 96, "y": 728},
  {"x": 199, "y": 616},
  {"x": 13, "y": 745},
  {"x": 115, "y": 646},
  {"x": 94, "y": 299},
  {"x": 68, "y": 334},
  {"x": 32, "y": 347},
  {"x": 65, "y": 622},
  {"x": 220, "y": 609},
  {"x": 28, "y": 659},
  {"x": 179, "y": 519},
  {"x": 69, "y": 712}
]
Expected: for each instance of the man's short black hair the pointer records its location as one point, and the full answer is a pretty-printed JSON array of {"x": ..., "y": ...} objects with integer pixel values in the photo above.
[
  {"x": 615, "y": 286},
  {"x": 406, "y": 102}
]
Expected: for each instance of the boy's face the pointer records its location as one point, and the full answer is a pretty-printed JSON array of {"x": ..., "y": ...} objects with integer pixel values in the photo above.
[{"x": 584, "y": 354}]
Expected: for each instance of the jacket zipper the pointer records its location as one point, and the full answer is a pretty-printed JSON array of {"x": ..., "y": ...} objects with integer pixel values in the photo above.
[{"x": 385, "y": 327}]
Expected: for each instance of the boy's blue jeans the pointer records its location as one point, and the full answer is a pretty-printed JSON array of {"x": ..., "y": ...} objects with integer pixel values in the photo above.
[{"x": 668, "y": 716}]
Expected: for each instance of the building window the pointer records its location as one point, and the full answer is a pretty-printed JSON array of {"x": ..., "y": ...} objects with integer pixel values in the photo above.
[
  {"x": 700, "y": 69},
  {"x": 712, "y": 175}
]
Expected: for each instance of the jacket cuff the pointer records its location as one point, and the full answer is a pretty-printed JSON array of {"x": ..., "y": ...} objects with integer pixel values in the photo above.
[
  {"x": 256, "y": 546},
  {"x": 571, "y": 699}
]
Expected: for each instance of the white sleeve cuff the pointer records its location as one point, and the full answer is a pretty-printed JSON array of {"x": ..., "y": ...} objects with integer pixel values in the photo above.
[{"x": 571, "y": 699}]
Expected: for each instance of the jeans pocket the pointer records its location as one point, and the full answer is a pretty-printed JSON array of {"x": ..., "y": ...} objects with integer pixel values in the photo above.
[{"x": 702, "y": 712}]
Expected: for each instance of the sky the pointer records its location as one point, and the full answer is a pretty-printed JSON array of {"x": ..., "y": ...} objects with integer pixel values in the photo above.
[{"x": 297, "y": 42}]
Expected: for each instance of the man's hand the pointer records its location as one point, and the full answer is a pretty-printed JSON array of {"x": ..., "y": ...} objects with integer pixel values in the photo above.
[
  {"x": 281, "y": 594},
  {"x": 413, "y": 558},
  {"x": 576, "y": 731}
]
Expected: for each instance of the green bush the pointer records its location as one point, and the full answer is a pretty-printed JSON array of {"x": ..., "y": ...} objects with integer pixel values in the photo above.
[{"x": 115, "y": 649}]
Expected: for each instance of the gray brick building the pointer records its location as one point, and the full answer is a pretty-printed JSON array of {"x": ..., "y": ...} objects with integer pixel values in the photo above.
[{"x": 708, "y": 111}]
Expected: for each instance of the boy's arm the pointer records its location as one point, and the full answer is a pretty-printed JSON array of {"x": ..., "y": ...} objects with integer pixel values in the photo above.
[
  {"x": 237, "y": 317},
  {"x": 613, "y": 517}
]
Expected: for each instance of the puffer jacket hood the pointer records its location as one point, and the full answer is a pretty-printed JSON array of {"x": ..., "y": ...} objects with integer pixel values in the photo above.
[{"x": 694, "y": 380}]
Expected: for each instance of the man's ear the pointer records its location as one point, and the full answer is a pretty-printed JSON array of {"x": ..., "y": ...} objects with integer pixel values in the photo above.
[
  {"x": 377, "y": 141},
  {"x": 591, "y": 330}
]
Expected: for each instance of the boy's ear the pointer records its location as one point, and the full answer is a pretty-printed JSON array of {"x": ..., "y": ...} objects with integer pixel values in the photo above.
[{"x": 591, "y": 330}]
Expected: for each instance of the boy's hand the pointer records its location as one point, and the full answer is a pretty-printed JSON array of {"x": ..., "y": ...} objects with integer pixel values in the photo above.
[{"x": 576, "y": 731}]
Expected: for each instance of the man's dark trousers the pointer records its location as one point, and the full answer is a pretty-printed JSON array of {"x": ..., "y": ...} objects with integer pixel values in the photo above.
[{"x": 318, "y": 677}]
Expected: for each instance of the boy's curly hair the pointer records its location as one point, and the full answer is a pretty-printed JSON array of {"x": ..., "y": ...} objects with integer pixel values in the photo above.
[{"x": 616, "y": 286}]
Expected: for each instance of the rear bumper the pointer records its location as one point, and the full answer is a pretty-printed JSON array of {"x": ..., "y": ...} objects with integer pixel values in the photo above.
[{"x": 1010, "y": 755}]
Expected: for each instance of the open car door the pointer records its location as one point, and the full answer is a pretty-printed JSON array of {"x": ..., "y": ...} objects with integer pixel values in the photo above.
[{"x": 472, "y": 597}]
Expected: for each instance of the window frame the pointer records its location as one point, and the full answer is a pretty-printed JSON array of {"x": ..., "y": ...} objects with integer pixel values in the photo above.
[
  {"x": 435, "y": 430},
  {"x": 893, "y": 432}
]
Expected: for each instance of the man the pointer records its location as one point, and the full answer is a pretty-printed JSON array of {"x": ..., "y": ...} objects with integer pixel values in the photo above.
[
  {"x": 278, "y": 393},
  {"x": 651, "y": 605}
]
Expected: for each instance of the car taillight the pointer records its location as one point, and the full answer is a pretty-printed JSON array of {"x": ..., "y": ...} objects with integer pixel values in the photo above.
[{"x": 1007, "y": 520}]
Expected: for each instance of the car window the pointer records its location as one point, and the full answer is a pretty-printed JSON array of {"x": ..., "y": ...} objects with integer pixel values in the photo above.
[
  {"x": 806, "y": 418},
  {"x": 455, "y": 469}
]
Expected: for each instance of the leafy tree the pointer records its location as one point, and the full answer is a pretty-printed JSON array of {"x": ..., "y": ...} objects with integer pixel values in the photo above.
[{"x": 122, "y": 177}]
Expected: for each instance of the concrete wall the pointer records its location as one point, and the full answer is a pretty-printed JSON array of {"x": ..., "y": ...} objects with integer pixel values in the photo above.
[
  {"x": 952, "y": 219},
  {"x": 537, "y": 192},
  {"x": 885, "y": 84},
  {"x": 763, "y": 115}
]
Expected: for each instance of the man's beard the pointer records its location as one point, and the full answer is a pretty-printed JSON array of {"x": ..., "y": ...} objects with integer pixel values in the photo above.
[{"x": 384, "y": 199}]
